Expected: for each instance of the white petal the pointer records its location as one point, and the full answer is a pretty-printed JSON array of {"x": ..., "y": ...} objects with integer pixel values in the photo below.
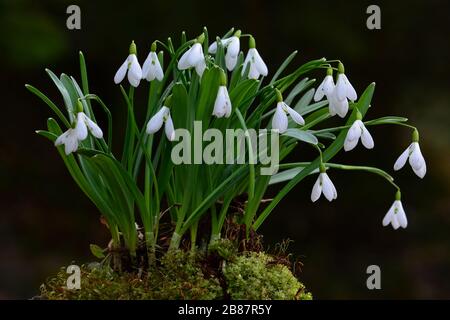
[
  {"x": 353, "y": 134},
  {"x": 158, "y": 71},
  {"x": 228, "y": 106},
  {"x": 80, "y": 128},
  {"x": 213, "y": 47},
  {"x": 246, "y": 63},
  {"x": 71, "y": 143},
  {"x": 146, "y": 66},
  {"x": 416, "y": 159},
  {"x": 328, "y": 85},
  {"x": 230, "y": 61},
  {"x": 220, "y": 104},
  {"x": 341, "y": 88},
  {"x": 402, "y": 159},
  {"x": 121, "y": 72},
  {"x": 401, "y": 216},
  {"x": 168, "y": 128},
  {"x": 233, "y": 46},
  {"x": 135, "y": 71},
  {"x": 316, "y": 190},
  {"x": 387, "y": 218},
  {"x": 341, "y": 108},
  {"x": 422, "y": 171},
  {"x": 350, "y": 92},
  {"x": 319, "y": 92},
  {"x": 328, "y": 189},
  {"x": 93, "y": 128},
  {"x": 294, "y": 115},
  {"x": 394, "y": 221},
  {"x": 259, "y": 63},
  {"x": 366, "y": 137},
  {"x": 195, "y": 55},
  {"x": 200, "y": 67},
  {"x": 183, "y": 63},
  {"x": 254, "y": 73},
  {"x": 156, "y": 122},
  {"x": 280, "y": 120}
]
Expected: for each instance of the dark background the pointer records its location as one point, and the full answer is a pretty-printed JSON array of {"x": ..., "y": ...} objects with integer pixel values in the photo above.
[{"x": 46, "y": 222}]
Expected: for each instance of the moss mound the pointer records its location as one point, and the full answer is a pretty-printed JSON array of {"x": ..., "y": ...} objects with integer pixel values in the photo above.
[{"x": 186, "y": 275}]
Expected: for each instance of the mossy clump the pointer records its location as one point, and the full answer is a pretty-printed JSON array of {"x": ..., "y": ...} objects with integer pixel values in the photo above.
[
  {"x": 255, "y": 276},
  {"x": 220, "y": 273}
]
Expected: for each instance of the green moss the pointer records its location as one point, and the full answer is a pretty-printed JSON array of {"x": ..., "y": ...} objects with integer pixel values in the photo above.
[
  {"x": 255, "y": 276},
  {"x": 180, "y": 275}
]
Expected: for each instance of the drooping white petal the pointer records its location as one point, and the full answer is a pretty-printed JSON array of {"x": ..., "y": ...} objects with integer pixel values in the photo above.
[
  {"x": 294, "y": 115},
  {"x": 401, "y": 161},
  {"x": 62, "y": 138},
  {"x": 233, "y": 46},
  {"x": 156, "y": 122},
  {"x": 341, "y": 87},
  {"x": 353, "y": 135},
  {"x": 220, "y": 104},
  {"x": 350, "y": 92},
  {"x": 387, "y": 218},
  {"x": 253, "y": 73},
  {"x": 213, "y": 47},
  {"x": 183, "y": 63},
  {"x": 230, "y": 61},
  {"x": 280, "y": 120},
  {"x": 401, "y": 216},
  {"x": 394, "y": 221},
  {"x": 316, "y": 190},
  {"x": 169, "y": 129},
  {"x": 152, "y": 68},
  {"x": 366, "y": 137},
  {"x": 71, "y": 143},
  {"x": 325, "y": 88},
  {"x": 80, "y": 128},
  {"x": 328, "y": 189},
  {"x": 121, "y": 72},
  {"x": 200, "y": 67},
  {"x": 93, "y": 128},
  {"x": 195, "y": 55},
  {"x": 146, "y": 66},
  {"x": 246, "y": 63},
  {"x": 421, "y": 172},
  {"x": 135, "y": 71},
  {"x": 416, "y": 159},
  {"x": 259, "y": 63}
]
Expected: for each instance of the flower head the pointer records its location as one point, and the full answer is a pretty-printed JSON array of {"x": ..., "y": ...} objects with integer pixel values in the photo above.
[
  {"x": 280, "y": 119},
  {"x": 130, "y": 66},
  {"x": 194, "y": 57},
  {"x": 152, "y": 67},
  {"x": 156, "y": 122},
  {"x": 323, "y": 185},
  {"x": 396, "y": 215},
  {"x": 416, "y": 159},
  {"x": 254, "y": 62},
  {"x": 358, "y": 130},
  {"x": 232, "y": 45},
  {"x": 222, "y": 105}
]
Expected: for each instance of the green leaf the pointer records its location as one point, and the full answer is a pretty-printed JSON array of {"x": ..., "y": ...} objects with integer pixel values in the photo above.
[
  {"x": 97, "y": 251},
  {"x": 301, "y": 135}
]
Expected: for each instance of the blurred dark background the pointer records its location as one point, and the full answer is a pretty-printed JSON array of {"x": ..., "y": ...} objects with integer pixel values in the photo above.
[{"x": 46, "y": 221}]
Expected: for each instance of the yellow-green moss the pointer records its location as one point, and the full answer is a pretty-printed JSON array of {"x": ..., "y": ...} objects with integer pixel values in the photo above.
[{"x": 179, "y": 275}]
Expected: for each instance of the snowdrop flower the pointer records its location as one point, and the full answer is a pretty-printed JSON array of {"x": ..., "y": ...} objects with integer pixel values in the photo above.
[
  {"x": 194, "y": 58},
  {"x": 156, "y": 122},
  {"x": 280, "y": 119},
  {"x": 328, "y": 89},
  {"x": 222, "y": 105},
  {"x": 151, "y": 69},
  {"x": 256, "y": 64},
  {"x": 71, "y": 138},
  {"x": 130, "y": 65},
  {"x": 323, "y": 185},
  {"x": 344, "y": 89},
  {"x": 396, "y": 215},
  {"x": 416, "y": 159},
  {"x": 232, "y": 45},
  {"x": 358, "y": 130}
]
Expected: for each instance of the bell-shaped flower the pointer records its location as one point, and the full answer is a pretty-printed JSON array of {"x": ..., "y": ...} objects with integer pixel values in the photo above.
[
  {"x": 232, "y": 45},
  {"x": 152, "y": 69},
  {"x": 69, "y": 139},
  {"x": 344, "y": 89},
  {"x": 222, "y": 105},
  {"x": 85, "y": 123},
  {"x": 194, "y": 57},
  {"x": 280, "y": 119},
  {"x": 396, "y": 215},
  {"x": 156, "y": 122},
  {"x": 416, "y": 159},
  {"x": 326, "y": 87},
  {"x": 323, "y": 185},
  {"x": 358, "y": 130},
  {"x": 254, "y": 62},
  {"x": 130, "y": 66}
]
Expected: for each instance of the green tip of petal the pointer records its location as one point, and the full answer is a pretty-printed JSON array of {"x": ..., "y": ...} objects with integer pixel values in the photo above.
[
  {"x": 251, "y": 42},
  {"x": 341, "y": 68},
  {"x": 398, "y": 195},
  {"x": 279, "y": 95},
  {"x": 133, "y": 49},
  {"x": 415, "y": 135}
]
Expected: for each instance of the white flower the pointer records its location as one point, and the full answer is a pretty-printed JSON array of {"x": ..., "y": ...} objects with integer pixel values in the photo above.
[
  {"x": 131, "y": 64},
  {"x": 72, "y": 136},
  {"x": 344, "y": 88},
  {"x": 254, "y": 62},
  {"x": 416, "y": 160},
  {"x": 325, "y": 88},
  {"x": 152, "y": 68},
  {"x": 396, "y": 216},
  {"x": 325, "y": 186},
  {"x": 156, "y": 122},
  {"x": 193, "y": 58},
  {"x": 356, "y": 131},
  {"x": 232, "y": 44},
  {"x": 69, "y": 139},
  {"x": 280, "y": 119},
  {"x": 222, "y": 105}
]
